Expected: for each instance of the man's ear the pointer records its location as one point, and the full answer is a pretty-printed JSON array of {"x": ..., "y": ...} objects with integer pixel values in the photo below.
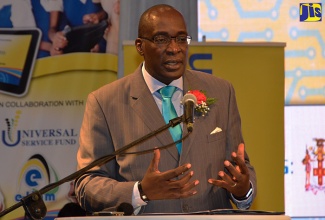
[{"x": 138, "y": 46}]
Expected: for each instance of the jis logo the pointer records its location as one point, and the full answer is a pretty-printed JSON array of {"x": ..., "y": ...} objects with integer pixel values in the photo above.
[{"x": 310, "y": 12}]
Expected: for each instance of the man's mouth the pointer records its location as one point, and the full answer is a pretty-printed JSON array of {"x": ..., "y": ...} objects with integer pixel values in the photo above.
[{"x": 173, "y": 63}]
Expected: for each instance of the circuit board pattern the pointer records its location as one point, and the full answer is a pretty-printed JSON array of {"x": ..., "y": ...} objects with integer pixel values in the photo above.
[{"x": 274, "y": 21}]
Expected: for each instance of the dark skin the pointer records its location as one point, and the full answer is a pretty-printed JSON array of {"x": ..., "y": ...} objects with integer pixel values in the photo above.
[{"x": 167, "y": 63}]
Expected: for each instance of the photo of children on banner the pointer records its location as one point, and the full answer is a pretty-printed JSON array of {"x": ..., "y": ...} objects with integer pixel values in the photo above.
[
  {"x": 66, "y": 25},
  {"x": 77, "y": 26}
]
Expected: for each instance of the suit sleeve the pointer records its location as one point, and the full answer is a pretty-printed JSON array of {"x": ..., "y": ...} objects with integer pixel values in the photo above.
[{"x": 100, "y": 188}]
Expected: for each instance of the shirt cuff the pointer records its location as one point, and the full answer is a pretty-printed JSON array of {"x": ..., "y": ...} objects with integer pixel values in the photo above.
[
  {"x": 244, "y": 204},
  {"x": 137, "y": 202}
]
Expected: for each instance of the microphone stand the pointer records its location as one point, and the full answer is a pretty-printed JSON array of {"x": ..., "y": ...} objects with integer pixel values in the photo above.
[{"x": 33, "y": 203}]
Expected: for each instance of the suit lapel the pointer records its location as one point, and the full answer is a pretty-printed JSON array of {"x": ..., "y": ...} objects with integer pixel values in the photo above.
[{"x": 146, "y": 108}]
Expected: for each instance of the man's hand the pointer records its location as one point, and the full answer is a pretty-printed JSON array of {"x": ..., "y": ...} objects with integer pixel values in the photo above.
[
  {"x": 238, "y": 183},
  {"x": 164, "y": 185}
]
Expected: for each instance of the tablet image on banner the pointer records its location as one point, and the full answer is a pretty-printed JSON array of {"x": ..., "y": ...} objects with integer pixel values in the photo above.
[
  {"x": 83, "y": 38},
  {"x": 18, "y": 50}
]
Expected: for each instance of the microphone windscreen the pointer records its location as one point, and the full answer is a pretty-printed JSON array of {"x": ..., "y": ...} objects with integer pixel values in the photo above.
[
  {"x": 125, "y": 207},
  {"x": 189, "y": 97}
]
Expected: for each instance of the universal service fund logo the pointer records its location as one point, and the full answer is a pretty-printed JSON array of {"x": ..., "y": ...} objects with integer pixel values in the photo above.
[{"x": 310, "y": 12}]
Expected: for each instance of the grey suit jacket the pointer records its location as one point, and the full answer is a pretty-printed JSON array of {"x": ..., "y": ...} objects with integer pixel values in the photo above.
[{"x": 123, "y": 111}]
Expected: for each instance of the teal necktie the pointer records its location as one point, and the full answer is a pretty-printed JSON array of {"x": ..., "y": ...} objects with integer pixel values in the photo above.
[{"x": 168, "y": 112}]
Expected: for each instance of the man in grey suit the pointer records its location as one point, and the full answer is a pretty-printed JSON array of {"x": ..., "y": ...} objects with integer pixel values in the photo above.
[{"x": 212, "y": 167}]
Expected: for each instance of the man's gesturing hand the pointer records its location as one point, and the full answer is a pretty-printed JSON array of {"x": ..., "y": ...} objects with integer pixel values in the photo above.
[
  {"x": 238, "y": 182},
  {"x": 165, "y": 185}
]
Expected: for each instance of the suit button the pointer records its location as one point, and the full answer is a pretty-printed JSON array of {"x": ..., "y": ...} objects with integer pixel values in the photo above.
[{"x": 186, "y": 208}]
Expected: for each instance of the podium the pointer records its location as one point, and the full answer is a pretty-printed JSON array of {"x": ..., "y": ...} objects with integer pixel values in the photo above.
[{"x": 183, "y": 217}]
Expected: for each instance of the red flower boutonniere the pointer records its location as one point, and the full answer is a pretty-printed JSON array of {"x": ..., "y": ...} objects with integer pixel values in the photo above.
[{"x": 203, "y": 103}]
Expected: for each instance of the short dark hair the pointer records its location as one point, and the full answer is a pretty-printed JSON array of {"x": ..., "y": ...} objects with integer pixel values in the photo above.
[{"x": 144, "y": 18}]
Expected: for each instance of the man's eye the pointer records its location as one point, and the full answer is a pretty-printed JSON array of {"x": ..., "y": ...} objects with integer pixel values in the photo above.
[
  {"x": 161, "y": 39},
  {"x": 182, "y": 39}
]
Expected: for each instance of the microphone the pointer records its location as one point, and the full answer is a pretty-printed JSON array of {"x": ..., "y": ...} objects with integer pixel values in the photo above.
[
  {"x": 125, "y": 207},
  {"x": 189, "y": 101}
]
